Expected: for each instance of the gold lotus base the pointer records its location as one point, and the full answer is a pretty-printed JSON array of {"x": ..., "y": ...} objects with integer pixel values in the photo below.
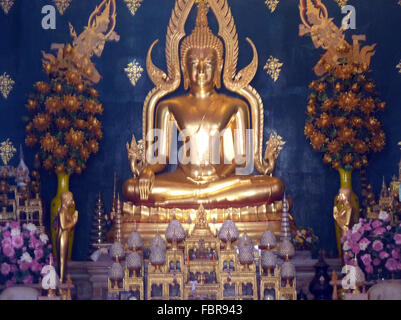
[{"x": 254, "y": 220}]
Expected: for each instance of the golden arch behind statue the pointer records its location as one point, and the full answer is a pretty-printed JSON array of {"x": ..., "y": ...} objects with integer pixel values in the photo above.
[{"x": 247, "y": 198}]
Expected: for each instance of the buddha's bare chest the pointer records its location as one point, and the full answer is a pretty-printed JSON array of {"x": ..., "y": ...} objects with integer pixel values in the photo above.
[{"x": 212, "y": 118}]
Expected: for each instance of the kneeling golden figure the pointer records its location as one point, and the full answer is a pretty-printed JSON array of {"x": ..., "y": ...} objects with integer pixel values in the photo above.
[{"x": 208, "y": 120}]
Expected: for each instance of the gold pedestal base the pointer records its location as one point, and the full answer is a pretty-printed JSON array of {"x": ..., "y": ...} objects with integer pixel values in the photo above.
[{"x": 150, "y": 221}]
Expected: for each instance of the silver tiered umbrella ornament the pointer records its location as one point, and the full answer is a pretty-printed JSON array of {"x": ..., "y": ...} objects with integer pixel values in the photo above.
[{"x": 228, "y": 233}]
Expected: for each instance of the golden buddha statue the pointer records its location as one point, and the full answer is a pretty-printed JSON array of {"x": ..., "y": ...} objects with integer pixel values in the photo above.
[{"x": 218, "y": 154}]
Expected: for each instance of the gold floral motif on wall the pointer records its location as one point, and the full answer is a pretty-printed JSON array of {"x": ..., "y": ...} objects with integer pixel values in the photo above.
[
  {"x": 62, "y": 5},
  {"x": 6, "y": 5},
  {"x": 272, "y": 4},
  {"x": 7, "y": 151},
  {"x": 341, "y": 3},
  {"x": 133, "y": 5},
  {"x": 134, "y": 72},
  {"x": 273, "y": 67},
  {"x": 399, "y": 65},
  {"x": 6, "y": 85}
]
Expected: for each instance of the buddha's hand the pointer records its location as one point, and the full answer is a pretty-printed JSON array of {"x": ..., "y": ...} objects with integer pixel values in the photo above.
[{"x": 146, "y": 181}]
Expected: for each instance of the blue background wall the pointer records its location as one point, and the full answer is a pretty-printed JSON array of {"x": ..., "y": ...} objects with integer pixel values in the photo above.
[{"x": 312, "y": 184}]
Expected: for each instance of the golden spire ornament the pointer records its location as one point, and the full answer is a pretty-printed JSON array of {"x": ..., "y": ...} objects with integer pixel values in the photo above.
[{"x": 118, "y": 221}]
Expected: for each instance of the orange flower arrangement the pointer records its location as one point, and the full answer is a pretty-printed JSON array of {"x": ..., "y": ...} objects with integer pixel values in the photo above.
[
  {"x": 32, "y": 105},
  {"x": 31, "y": 140},
  {"x": 342, "y": 117},
  {"x": 73, "y": 77},
  {"x": 62, "y": 121},
  {"x": 42, "y": 121},
  {"x": 48, "y": 163},
  {"x": 71, "y": 103},
  {"x": 348, "y": 101},
  {"x": 60, "y": 151},
  {"x": 80, "y": 124},
  {"x": 42, "y": 87},
  {"x": 74, "y": 138},
  {"x": 53, "y": 105},
  {"x": 48, "y": 142}
]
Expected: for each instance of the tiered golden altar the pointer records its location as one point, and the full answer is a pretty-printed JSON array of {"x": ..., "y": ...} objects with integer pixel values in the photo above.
[
  {"x": 207, "y": 269},
  {"x": 203, "y": 264}
]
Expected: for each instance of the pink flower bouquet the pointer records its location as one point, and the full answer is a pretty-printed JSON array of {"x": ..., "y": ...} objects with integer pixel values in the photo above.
[
  {"x": 377, "y": 246},
  {"x": 24, "y": 252}
]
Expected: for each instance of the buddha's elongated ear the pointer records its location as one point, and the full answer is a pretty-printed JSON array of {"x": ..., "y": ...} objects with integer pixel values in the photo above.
[
  {"x": 185, "y": 75},
  {"x": 217, "y": 77}
]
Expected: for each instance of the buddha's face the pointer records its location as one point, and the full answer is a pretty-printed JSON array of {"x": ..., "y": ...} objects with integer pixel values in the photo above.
[{"x": 201, "y": 65}]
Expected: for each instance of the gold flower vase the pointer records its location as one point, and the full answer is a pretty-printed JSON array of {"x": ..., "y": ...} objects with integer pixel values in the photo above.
[
  {"x": 63, "y": 184},
  {"x": 346, "y": 182}
]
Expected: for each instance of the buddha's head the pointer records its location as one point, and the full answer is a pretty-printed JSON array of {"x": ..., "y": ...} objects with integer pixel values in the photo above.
[{"x": 202, "y": 55}]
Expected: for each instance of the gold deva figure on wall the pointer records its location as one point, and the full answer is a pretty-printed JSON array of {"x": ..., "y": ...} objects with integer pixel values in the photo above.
[
  {"x": 206, "y": 121},
  {"x": 91, "y": 41},
  {"x": 328, "y": 36},
  {"x": 66, "y": 223}
]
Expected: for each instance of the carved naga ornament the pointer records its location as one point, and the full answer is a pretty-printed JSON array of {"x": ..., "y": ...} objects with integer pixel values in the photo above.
[{"x": 238, "y": 83}]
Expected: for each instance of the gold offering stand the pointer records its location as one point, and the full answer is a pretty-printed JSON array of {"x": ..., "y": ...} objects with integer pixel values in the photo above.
[
  {"x": 208, "y": 271},
  {"x": 168, "y": 276},
  {"x": 22, "y": 208},
  {"x": 204, "y": 267},
  {"x": 134, "y": 282},
  {"x": 282, "y": 289},
  {"x": 201, "y": 269},
  {"x": 240, "y": 277},
  {"x": 271, "y": 281}
]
